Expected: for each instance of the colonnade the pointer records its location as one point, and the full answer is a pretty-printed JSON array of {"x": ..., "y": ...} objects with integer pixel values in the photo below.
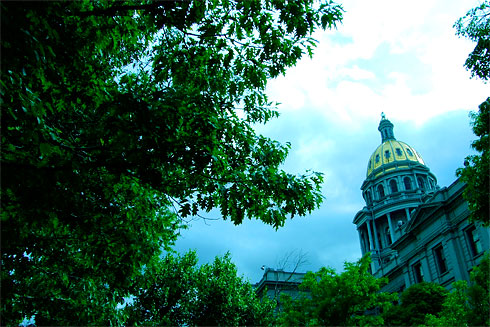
[{"x": 371, "y": 227}]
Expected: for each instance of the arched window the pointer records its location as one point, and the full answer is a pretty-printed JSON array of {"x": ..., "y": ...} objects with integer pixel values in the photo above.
[
  {"x": 421, "y": 182},
  {"x": 377, "y": 158},
  {"x": 381, "y": 191},
  {"x": 431, "y": 183},
  {"x": 393, "y": 186},
  {"x": 409, "y": 152},
  {"x": 408, "y": 183}
]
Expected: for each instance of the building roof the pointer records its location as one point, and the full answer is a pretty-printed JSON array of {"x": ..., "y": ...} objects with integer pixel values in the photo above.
[
  {"x": 279, "y": 278},
  {"x": 391, "y": 154}
]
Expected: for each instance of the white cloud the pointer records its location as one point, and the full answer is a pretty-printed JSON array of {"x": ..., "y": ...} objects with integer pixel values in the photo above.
[
  {"x": 398, "y": 57},
  {"x": 356, "y": 73},
  {"x": 333, "y": 80}
]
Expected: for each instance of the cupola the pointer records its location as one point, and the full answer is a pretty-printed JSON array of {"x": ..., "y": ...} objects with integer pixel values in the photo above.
[{"x": 391, "y": 154}]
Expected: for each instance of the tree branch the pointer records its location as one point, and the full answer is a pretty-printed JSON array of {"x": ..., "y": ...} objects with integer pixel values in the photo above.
[{"x": 112, "y": 11}]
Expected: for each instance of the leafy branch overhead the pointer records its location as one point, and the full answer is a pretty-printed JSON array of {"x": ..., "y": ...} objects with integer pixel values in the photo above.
[
  {"x": 120, "y": 118},
  {"x": 475, "y": 25},
  {"x": 475, "y": 173}
]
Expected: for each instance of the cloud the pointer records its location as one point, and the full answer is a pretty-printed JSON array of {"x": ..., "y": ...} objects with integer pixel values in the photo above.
[
  {"x": 420, "y": 66},
  {"x": 357, "y": 73},
  {"x": 398, "y": 57}
]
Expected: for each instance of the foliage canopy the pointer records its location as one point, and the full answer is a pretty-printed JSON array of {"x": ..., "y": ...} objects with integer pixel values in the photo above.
[
  {"x": 475, "y": 173},
  {"x": 467, "y": 305},
  {"x": 475, "y": 25},
  {"x": 121, "y": 118},
  {"x": 351, "y": 298},
  {"x": 179, "y": 293},
  {"x": 416, "y": 302}
]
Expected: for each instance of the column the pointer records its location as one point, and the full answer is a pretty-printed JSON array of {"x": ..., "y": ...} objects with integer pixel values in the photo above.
[
  {"x": 455, "y": 259},
  {"x": 387, "y": 189},
  {"x": 392, "y": 231},
  {"x": 370, "y": 238},
  {"x": 376, "y": 241},
  {"x": 406, "y": 275},
  {"x": 407, "y": 212},
  {"x": 361, "y": 241},
  {"x": 415, "y": 181}
]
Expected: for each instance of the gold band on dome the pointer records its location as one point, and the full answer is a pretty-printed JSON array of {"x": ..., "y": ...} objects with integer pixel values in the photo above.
[{"x": 389, "y": 152}]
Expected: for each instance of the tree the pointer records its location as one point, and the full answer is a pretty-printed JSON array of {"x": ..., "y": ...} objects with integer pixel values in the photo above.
[
  {"x": 479, "y": 293},
  {"x": 454, "y": 308},
  {"x": 467, "y": 305},
  {"x": 475, "y": 25},
  {"x": 120, "y": 119},
  {"x": 350, "y": 298},
  {"x": 417, "y": 301},
  {"x": 475, "y": 173},
  {"x": 177, "y": 292},
  {"x": 287, "y": 266}
]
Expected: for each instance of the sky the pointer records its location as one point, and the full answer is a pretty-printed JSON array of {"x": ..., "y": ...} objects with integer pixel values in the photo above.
[{"x": 400, "y": 58}]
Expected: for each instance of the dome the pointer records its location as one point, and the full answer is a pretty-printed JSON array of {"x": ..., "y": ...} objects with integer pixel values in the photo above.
[{"x": 391, "y": 154}]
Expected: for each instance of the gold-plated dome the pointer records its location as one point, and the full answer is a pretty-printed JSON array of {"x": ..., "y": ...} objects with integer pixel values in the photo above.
[{"x": 389, "y": 152}]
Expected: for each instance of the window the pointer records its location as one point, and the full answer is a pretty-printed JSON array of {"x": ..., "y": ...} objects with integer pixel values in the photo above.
[
  {"x": 377, "y": 158},
  {"x": 418, "y": 274},
  {"x": 440, "y": 259},
  {"x": 398, "y": 152},
  {"x": 387, "y": 154},
  {"x": 368, "y": 196},
  {"x": 393, "y": 186},
  {"x": 473, "y": 241},
  {"x": 408, "y": 183},
  {"x": 409, "y": 152},
  {"x": 381, "y": 191},
  {"x": 421, "y": 182},
  {"x": 369, "y": 164},
  {"x": 433, "y": 183}
]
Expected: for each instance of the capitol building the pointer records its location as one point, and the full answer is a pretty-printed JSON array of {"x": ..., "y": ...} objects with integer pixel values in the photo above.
[{"x": 415, "y": 230}]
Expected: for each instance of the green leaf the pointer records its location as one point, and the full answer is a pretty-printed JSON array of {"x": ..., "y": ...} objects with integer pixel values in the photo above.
[{"x": 45, "y": 149}]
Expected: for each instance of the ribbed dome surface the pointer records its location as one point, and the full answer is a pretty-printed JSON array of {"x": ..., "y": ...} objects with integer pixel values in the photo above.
[{"x": 389, "y": 152}]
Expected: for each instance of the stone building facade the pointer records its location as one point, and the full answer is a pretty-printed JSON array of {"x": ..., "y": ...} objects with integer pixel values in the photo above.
[
  {"x": 415, "y": 230},
  {"x": 275, "y": 282}
]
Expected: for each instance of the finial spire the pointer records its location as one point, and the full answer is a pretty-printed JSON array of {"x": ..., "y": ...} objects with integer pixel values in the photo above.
[{"x": 386, "y": 129}]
